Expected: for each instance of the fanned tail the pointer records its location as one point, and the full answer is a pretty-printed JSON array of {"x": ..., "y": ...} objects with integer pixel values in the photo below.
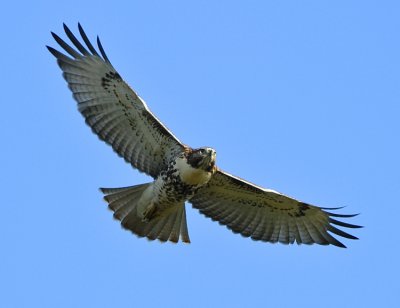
[{"x": 168, "y": 226}]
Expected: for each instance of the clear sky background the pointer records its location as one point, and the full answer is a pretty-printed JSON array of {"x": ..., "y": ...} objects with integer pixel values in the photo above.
[{"x": 297, "y": 96}]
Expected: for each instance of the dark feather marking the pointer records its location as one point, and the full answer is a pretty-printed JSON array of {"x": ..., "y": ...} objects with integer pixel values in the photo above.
[
  {"x": 340, "y": 215},
  {"x": 60, "y": 56},
  {"x": 332, "y": 208},
  {"x": 75, "y": 41},
  {"x": 86, "y": 40},
  {"x": 243, "y": 185},
  {"x": 66, "y": 47},
  {"x": 102, "y": 51},
  {"x": 156, "y": 124},
  {"x": 343, "y": 224},
  {"x": 323, "y": 224},
  {"x": 340, "y": 232},
  {"x": 333, "y": 240}
]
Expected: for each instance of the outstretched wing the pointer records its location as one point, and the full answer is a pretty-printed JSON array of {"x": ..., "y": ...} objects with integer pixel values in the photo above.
[
  {"x": 112, "y": 109},
  {"x": 267, "y": 215}
]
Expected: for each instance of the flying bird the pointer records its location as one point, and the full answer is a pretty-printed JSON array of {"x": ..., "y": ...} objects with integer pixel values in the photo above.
[{"x": 156, "y": 210}]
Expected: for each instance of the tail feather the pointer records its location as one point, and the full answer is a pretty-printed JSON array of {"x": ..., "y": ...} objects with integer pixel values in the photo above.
[
  {"x": 114, "y": 194},
  {"x": 157, "y": 228},
  {"x": 124, "y": 207},
  {"x": 184, "y": 229},
  {"x": 176, "y": 228},
  {"x": 166, "y": 226},
  {"x": 119, "y": 189}
]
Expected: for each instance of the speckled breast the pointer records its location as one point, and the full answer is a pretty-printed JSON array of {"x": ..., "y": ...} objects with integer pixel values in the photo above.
[{"x": 180, "y": 182}]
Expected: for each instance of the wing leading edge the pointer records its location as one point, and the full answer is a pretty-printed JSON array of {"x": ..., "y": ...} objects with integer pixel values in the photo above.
[
  {"x": 267, "y": 215},
  {"x": 111, "y": 108}
]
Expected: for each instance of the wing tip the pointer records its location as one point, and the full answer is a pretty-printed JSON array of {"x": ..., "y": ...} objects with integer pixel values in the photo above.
[
  {"x": 52, "y": 50},
  {"x": 102, "y": 50},
  {"x": 343, "y": 224},
  {"x": 339, "y": 244}
]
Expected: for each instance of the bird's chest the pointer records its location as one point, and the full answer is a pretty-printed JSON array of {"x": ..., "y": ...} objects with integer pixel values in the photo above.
[
  {"x": 190, "y": 175},
  {"x": 180, "y": 181}
]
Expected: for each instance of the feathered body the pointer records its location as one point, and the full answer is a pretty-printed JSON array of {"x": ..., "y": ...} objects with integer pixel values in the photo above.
[
  {"x": 175, "y": 185},
  {"x": 156, "y": 210}
]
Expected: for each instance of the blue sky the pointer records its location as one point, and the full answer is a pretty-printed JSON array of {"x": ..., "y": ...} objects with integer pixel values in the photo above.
[{"x": 297, "y": 96}]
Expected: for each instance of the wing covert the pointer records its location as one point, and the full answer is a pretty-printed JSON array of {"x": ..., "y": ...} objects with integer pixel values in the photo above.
[
  {"x": 267, "y": 215},
  {"x": 112, "y": 109}
]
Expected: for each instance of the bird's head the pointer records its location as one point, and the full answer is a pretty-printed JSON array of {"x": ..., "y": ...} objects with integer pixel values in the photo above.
[{"x": 202, "y": 158}]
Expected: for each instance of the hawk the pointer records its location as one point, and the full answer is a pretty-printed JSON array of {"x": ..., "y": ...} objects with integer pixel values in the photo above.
[{"x": 156, "y": 210}]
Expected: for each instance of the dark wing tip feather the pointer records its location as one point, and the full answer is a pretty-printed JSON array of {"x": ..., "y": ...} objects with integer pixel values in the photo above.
[
  {"x": 340, "y": 215},
  {"x": 332, "y": 208},
  {"x": 76, "y": 43},
  {"x": 74, "y": 40},
  {"x": 65, "y": 46},
  {"x": 343, "y": 224},
  {"x": 337, "y": 231},
  {"x": 53, "y": 51},
  {"x": 87, "y": 41},
  {"x": 340, "y": 232},
  {"x": 336, "y": 243},
  {"x": 102, "y": 50},
  {"x": 58, "y": 55}
]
